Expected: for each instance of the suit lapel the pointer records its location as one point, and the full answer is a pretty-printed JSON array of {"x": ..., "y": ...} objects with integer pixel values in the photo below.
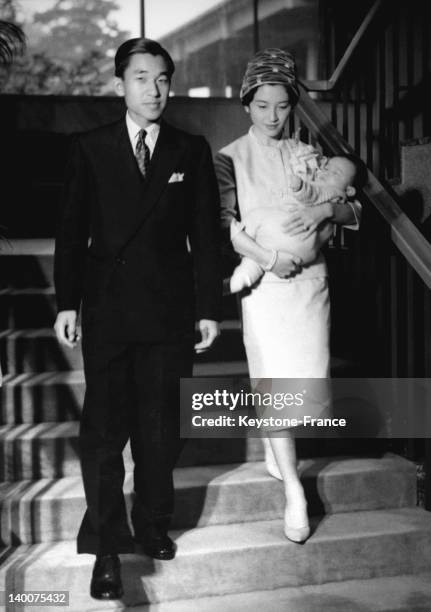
[
  {"x": 164, "y": 161},
  {"x": 130, "y": 179}
]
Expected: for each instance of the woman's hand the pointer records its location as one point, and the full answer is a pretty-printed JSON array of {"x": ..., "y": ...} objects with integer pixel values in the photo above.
[
  {"x": 306, "y": 220},
  {"x": 286, "y": 264}
]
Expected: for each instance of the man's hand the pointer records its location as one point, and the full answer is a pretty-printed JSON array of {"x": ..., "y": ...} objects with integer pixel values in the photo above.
[
  {"x": 286, "y": 264},
  {"x": 209, "y": 330},
  {"x": 65, "y": 328}
]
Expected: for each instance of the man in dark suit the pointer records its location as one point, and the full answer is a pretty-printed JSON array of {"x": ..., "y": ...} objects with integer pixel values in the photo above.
[{"x": 138, "y": 245}]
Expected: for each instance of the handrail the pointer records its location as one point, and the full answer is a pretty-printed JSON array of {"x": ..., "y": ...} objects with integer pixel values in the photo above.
[
  {"x": 405, "y": 235},
  {"x": 329, "y": 85}
]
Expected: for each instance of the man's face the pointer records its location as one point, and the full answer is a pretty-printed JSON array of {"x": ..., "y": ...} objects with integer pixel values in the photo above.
[{"x": 145, "y": 87}]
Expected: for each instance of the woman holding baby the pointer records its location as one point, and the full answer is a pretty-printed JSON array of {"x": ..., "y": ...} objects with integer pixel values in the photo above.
[{"x": 285, "y": 313}]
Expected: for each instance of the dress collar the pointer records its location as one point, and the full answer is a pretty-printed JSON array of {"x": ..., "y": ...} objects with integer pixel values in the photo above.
[{"x": 265, "y": 140}]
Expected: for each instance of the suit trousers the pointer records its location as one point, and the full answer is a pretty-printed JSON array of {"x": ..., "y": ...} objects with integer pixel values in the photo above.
[{"x": 132, "y": 392}]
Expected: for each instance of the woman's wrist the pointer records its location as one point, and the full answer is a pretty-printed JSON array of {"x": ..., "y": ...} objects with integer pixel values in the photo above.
[
  {"x": 262, "y": 256},
  {"x": 271, "y": 263},
  {"x": 329, "y": 208}
]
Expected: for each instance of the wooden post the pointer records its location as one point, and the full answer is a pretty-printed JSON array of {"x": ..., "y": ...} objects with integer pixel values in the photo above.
[
  {"x": 142, "y": 16},
  {"x": 256, "y": 42}
]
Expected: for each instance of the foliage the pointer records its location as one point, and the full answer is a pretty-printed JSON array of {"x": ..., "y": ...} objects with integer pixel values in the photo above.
[
  {"x": 79, "y": 27},
  {"x": 70, "y": 52},
  {"x": 8, "y": 10},
  {"x": 40, "y": 74}
]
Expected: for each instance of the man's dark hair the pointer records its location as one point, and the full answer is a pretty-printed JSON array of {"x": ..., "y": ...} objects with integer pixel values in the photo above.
[
  {"x": 140, "y": 45},
  {"x": 361, "y": 170},
  {"x": 293, "y": 98}
]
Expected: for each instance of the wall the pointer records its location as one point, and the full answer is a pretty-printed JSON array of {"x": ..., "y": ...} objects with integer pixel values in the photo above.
[
  {"x": 34, "y": 138},
  {"x": 35, "y": 132}
]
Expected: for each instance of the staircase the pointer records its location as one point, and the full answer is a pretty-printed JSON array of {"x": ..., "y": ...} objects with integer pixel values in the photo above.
[{"x": 370, "y": 549}]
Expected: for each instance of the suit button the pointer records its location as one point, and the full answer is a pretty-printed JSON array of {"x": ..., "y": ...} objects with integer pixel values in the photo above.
[{"x": 120, "y": 261}]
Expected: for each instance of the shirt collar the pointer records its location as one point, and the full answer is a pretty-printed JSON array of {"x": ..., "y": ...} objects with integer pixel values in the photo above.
[{"x": 133, "y": 129}]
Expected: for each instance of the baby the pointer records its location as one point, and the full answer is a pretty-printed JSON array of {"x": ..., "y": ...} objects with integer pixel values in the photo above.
[{"x": 333, "y": 183}]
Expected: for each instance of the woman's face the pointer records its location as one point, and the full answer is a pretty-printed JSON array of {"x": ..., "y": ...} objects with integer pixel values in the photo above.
[{"x": 269, "y": 110}]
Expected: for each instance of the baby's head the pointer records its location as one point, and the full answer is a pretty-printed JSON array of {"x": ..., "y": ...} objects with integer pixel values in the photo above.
[{"x": 344, "y": 172}]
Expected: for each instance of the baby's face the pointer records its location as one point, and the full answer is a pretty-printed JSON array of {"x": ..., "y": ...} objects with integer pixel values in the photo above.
[{"x": 338, "y": 172}]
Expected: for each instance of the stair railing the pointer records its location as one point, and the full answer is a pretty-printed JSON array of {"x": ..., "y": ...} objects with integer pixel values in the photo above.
[
  {"x": 375, "y": 99},
  {"x": 346, "y": 60},
  {"x": 375, "y": 95},
  {"x": 387, "y": 277},
  {"x": 404, "y": 234}
]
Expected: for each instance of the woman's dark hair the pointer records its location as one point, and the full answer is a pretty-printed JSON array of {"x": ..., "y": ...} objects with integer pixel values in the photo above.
[
  {"x": 140, "y": 45},
  {"x": 293, "y": 98},
  {"x": 361, "y": 170}
]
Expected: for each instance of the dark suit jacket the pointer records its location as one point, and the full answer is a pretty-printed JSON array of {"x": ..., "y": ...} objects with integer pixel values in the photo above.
[{"x": 122, "y": 241}]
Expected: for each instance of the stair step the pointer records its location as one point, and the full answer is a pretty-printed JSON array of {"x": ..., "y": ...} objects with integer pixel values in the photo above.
[
  {"x": 37, "y": 350},
  {"x": 27, "y": 308},
  {"x": 58, "y": 396},
  {"x": 20, "y": 271},
  {"x": 30, "y": 263},
  {"x": 238, "y": 558},
  {"x": 27, "y": 263},
  {"x": 36, "y": 307},
  {"x": 36, "y": 247},
  {"x": 50, "y": 450},
  {"x": 51, "y": 510},
  {"x": 392, "y": 594}
]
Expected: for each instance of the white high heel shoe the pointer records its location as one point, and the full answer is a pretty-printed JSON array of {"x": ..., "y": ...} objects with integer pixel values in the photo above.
[
  {"x": 297, "y": 529},
  {"x": 299, "y": 535}
]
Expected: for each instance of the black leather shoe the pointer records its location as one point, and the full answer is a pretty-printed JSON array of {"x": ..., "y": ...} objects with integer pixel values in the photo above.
[
  {"x": 106, "y": 579},
  {"x": 156, "y": 544}
]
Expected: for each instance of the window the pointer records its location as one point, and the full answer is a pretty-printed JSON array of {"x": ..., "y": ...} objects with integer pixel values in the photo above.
[
  {"x": 210, "y": 42},
  {"x": 70, "y": 45}
]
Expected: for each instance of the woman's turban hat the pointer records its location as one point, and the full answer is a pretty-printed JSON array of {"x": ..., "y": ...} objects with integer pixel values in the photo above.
[{"x": 271, "y": 66}]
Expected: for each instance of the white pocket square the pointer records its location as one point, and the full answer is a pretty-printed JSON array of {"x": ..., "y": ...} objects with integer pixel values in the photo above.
[{"x": 177, "y": 177}]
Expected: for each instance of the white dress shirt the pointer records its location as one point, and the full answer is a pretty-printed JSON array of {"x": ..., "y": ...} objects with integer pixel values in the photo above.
[{"x": 150, "y": 139}]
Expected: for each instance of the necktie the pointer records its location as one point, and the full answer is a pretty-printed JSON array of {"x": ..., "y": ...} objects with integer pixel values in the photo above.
[{"x": 142, "y": 153}]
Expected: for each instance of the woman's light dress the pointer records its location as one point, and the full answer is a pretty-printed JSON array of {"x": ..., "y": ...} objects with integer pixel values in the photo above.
[{"x": 286, "y": 322}]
